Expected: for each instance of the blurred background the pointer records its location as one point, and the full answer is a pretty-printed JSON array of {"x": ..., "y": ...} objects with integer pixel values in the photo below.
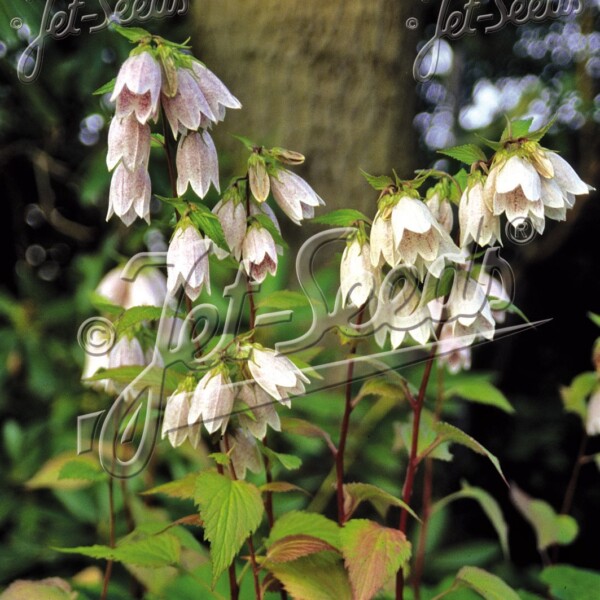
[{"x": 334, "y": 81}]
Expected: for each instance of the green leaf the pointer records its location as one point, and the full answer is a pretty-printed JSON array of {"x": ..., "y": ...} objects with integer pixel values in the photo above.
[
  {"x": 574, "y": 396},
  {"x": 283, "y": 300},
  {"x": 304, "y": 428},
  {"x": 378, "y": 182},
  {"x": 280, "y": 487},
  {"x": 383, "y": 387},
  {"x": 133, "y": 34},
  {"x": 293, "y": 547},
  {"x": 342, "y": 217},
  {"x": 266, "y": 222},
  {"x": 249, "y": 144},
  {"x": 184, "y": 489},
  {"x": 153, "y": 377},
  {"x": 489, "y": 505},
  {"x": 231, "y": 511},
  {"x": 104, "y": 305},
  {"x": 536, "y": 136},
  {"x": 516, "y": 129},
  {"x": 489, "y": 143},
  {"x": 52, "y": 588},
  {"x": 488, "y": 586},
  {"x": 356, "y": 493},
  {"x": 482, "y": 392},
  {"x": 180, "y": 205},
  {"x": 288, "y": 461},
  {"x": 108, "y": 87},
  {"x": 450, "y": 433},
  {"x": 594, "y": 318},
  {"x": 437, "y": 288},
  {"x": 469, "y": 153},
  {"x": 428, "y": 443},
  {"x": 305, "y": 523},
  {"x": 158, "y": 140},
  {"x": 137, "y": 315},
  {"x": 550, "y": 528},
  {"x": 206, "y": 221},
  {"x": 153, "y": 551},
  {"x": 509, "y": 307},
  {"x": 82, "y": 470},
  {"x": 317, "y": 577},
  {"x": 571, "y": 583},
  {"x": 49, "y": 475},
  {"x": 372, "y": 554}
]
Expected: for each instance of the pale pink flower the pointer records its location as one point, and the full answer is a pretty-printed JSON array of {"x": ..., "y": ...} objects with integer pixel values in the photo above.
[
  {"x": 259, "y": 253},
  {"x": 197, "y": 164},
  {"x": 276, "y": 374},
  {"x": 187, "y": 260},
  {"x": 149, "y": 288},
  {"x": 453, "y": 352},
  {"x": 232, "y": 216},
  {"x": 137, "y": 89},
  {"x": 294, "y": 196},
  {"x": 212, "y": 402},
  {"x": 175, "y": 420},
  {"x": 477, "y": 221},
  {"x": 130, "y": 193},
  {"x": 216, "y": 93},
  {"x": 243, "y": 452},
  {"x": 128, "y": 141},
  {"x": 358, "y": 277},
  {"x": 186, "y": 110},
  {"x": 262, "y": 409}
]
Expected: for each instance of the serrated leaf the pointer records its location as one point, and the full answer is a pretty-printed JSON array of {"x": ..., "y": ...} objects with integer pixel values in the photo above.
[
  {"x": 304, "y": 428},
  {"x": 378, "y": 182},
  {"x": 206, "y": 221},
  {"x": 180, "y": 205},
  {"x": 266, "y": 222},
  {"x": 487, "y": 585},
  {"x": 489, "y": 143},
  {"x": 316, "y": 577},
  {"x": 288, "y": 461},
  {"x": 153, "y": 377},
  {"x": 231, "y": 511},
  {"x": 48, "y": 475},
  {"x": 482, "y": 392},
  {"x": 82, "y": 470},
  {"x": 570, "y": 583},
  {"x": 356, "y": 493},
  {"x": 468, "y": 153},
  {"x": 489, "y": 506},
  {"x": 428, "y": 437},
  {"x": 184, "y": 489},
  {"x": 574, "y": 396},
  {"x": 154, "y": 551},
  {"x": 450, "y": 433},
  {"x": 517, "y": 129},
  {"x": 305, "y": 523},
  {"x": 283, "y": 300},
  {"x": 133, "y": 34},
  {"x": 437, "y": 288},
  {"x": 280, "y": 487},
  {"x": 342, "y": 217},
  {"x": 108, "y": 87},
  {"x": 550, "y": 528},
  {"x": 536, "y": 136},
  {"x": 372, "y": 554},
  {"x": 136, "y": 316},
  {"x": 293, "y": 547}
]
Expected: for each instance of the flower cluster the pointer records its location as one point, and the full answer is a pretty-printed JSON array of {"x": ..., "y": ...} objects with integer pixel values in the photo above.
[
  {"x": 410, "y": 237},
  {"x": 192, "y": 98}
]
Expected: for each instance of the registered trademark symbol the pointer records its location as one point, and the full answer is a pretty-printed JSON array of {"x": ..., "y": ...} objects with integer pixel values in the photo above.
[
  {"x": 520, "y": 231},
  {"x": 16, "y": 23},
  {"x": 412, "y": 22}
]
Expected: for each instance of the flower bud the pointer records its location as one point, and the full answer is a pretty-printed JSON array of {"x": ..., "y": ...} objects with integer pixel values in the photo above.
[
  {"x": 258, "y": 178},
  {"x": 288, "y": 157}
]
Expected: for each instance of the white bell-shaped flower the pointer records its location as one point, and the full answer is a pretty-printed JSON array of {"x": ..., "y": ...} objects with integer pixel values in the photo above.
[
  {"x": 197, "y": 164},
  {"x": 217, "y": 95},
  {"x": 187, "y": 261},
  {"x": 294, "y": 196},
  {"x": 129, "y": 141},
  {"x": 276, "y": 374},
  {"x": 243, "y": 452},
  {"x": 130, "y": 193},
  {"x": 358, "y": 277},
  {"x": 212, "y": 402},
  {"x": 175, "y": 420},
  {"x": 259, "y": 253},
  {"x": 233, "y": 218},
  {"x": 477, "y": 222},
  {"x": 592, "y": 422},
  {"x": 262, "y": 409}
]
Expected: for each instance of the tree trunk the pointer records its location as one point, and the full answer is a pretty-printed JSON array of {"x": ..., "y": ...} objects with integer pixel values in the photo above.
[{"x": 332, "y": 80}]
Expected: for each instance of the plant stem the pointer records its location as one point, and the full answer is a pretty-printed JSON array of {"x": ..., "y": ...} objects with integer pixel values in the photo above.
[
  {"x": 345, "y": 426},
  {"x": 111, "y": 536},
  {"x": 413, "y": 461},
  {"x": 427, "y": 494}
]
